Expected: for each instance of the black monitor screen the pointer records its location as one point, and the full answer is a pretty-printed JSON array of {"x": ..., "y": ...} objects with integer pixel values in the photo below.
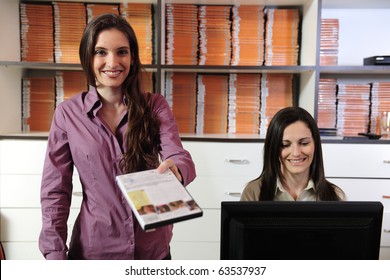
[{"x": 281, "y": 230}]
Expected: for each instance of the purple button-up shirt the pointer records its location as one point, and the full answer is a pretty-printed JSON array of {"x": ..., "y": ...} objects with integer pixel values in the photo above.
[{"x": 105, "y": 227}]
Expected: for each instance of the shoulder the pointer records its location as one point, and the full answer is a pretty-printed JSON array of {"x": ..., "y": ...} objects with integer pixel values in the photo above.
[
  {"x": 71, "y": 108},
  {"x": 76, "y": 100},
  {"x": 251, "y": 191},
  {"x": 155, "y": 100}
]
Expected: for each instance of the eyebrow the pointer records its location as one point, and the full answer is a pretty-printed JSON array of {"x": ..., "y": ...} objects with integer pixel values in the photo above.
[
  {"x": 301, "y": 139},
  {"x": 120, "y": 48}
]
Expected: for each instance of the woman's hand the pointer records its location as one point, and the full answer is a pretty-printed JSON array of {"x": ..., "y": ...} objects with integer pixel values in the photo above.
[{"x": 171, "y": 165}]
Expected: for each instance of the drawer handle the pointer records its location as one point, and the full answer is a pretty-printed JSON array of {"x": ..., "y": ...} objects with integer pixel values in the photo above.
[
  {"x": 233, "y": 193},
  {"x": 77, "y": 193},
  {"x": 237, "y": 161},
  {"x": 387, "y": 230},
  {"x": 387, "y": 161},
  {"x": 386, "y": 196}
]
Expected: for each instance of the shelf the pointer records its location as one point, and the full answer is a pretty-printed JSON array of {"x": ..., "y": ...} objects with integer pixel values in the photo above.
[
  {"x": 354, "y": 44},
  {"x": 240, "y": 138},
  {"x": 239, "y": 2},
  {"x": 239, "y": 69},
  {"x": 355, "y": 70},
  {"x": 91, "y": 1},
  {"x": 53, "y": 66},
  {"x": 355, "y": 4},
  {"x": 40, "y": 65}
]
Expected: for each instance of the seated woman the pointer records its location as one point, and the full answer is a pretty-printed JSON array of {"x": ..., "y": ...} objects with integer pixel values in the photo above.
[{"x": 293, "y": 168}]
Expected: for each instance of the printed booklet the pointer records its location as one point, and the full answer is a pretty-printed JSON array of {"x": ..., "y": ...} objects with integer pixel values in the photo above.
[{"x": 157, "y": 199}]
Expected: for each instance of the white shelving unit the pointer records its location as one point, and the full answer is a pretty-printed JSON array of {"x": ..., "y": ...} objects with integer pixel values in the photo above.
[{"x": 362, "y": 28}]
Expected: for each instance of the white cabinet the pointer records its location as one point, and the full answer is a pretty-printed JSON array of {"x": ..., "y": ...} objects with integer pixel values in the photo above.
[
  {"x": 363, "y": 172},
  {"x": 197, "y": 239},
  {"x": 223, "y": 169},
  {"x": 357, "y": 160},
  {"x": 369, "y": 190},
  {"x": 21, "y": 164}
]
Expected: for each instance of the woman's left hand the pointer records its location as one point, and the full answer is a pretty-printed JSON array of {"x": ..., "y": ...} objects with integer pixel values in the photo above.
[{"x": 171, "y": 165}]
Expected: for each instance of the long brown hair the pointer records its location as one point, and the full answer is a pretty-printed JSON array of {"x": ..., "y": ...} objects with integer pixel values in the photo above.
[{"x": 142, "y": 136}]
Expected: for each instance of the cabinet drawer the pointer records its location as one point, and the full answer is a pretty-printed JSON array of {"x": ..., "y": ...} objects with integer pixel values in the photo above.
[
  {"x": 22, "y": 156},
  {"x": 226, "y": 159},
  {"x": 189, "y": 230},
  {"x": 384, "y": 253},
  {"x": 195, "y": 250},
  {"x": 365, "y": 189},
  {"x": 356, "y": 160},
  {"x": 23, "y": 191},
  {"x": 190, "y": 243},
  {"x": 209, "y": 191},
  {"x": 385, "y": 236},
  {"x": 22, "y": 251},
  {"x": 179, "y": 250},
  {"x": 24, "y": 225}
]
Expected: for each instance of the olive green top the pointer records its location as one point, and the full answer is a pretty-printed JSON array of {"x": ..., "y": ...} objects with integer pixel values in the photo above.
[{"x": 252, "y": 192}]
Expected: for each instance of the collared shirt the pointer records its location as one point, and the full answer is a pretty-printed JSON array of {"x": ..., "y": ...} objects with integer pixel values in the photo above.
[
  {"x": 105, "y": 227},
  {"x": 252, "y": 192}
]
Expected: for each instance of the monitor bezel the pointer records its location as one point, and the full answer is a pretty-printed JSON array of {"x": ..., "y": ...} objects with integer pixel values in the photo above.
[{"x": 276, "y": 209}]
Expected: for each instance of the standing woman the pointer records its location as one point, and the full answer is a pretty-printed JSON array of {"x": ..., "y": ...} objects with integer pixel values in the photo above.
[
  {"x": 293, "y": 168},
  {"x": 112, "y": 129}
]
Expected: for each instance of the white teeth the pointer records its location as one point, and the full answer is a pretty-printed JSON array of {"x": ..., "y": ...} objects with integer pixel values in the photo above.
[{"x": 296, "y": 160}]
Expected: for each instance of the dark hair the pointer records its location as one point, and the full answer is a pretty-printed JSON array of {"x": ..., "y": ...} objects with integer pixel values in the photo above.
[
  {"x": 142, "y": 133},
  {"x": 272, "y": 148}
]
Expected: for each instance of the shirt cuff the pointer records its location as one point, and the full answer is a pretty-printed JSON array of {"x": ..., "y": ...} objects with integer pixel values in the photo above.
[{"x": 56, "y": 256}]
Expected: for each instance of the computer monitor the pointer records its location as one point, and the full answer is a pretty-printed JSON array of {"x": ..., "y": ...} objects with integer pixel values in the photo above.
[{"x": 281, "y": 230}]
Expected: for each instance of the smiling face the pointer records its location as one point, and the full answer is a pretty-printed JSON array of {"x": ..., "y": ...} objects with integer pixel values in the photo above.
[
  {"x": 297, "y": 149},
  {"x": 112, "y": 59}
]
